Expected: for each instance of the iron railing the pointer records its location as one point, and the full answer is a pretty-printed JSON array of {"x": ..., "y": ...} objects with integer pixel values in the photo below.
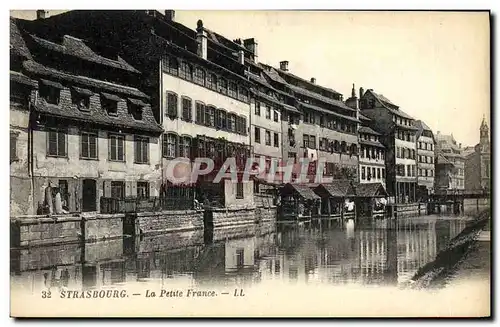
[{"x": 152, "y": 204}]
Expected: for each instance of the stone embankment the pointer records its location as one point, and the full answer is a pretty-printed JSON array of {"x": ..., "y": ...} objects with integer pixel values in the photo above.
[{"x": 437, "y": 272}]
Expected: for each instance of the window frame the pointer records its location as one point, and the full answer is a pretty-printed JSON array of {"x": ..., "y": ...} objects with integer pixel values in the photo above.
[
  {"x": 166, "y": 144},
  {"x": 240, "y": 193},
  {"x": 143, "y": 184},
  {"x": 57, "y": 131},
  {"x": 118, "y": 137},
  {"x": 169, "y": 112},
  {"x": 89, "y": 134},
  {"x": 189, "y": 117},
  {"x": 139, "y": 142}
]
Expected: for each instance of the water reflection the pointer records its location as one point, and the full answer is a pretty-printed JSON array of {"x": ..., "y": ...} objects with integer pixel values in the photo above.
[{"x": 378, "y": 252}]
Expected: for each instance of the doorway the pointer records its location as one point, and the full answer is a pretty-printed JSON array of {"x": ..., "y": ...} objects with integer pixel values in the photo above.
[{"x": 89, "y": 195}]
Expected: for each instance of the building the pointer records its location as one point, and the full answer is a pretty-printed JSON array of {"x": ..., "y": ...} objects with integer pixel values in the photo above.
[
  {"x": 92, "y": 132},
  {"x": 371, "y": 153},
  {"x": 22, "y": 91},
  {"x": 398, "y": 135},
  {"x": 478, "y": 161},
  {"x": 450, "y": 165},
  {"x": 196, "y": 79},
  {"x": 324, "y": 126},
  {"x": 425, "y": 160}
]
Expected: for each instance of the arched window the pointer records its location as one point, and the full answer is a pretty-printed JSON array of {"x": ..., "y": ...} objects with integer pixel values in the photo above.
[
  {"x": 336, "y": 146},
  {"x": 343, "y": 147},
  {"x": 222, "y": 85},
  {"x": 199, "y": 76},
  {"x": 354, "y": 149},
  {"x": 186, "y": 71}
]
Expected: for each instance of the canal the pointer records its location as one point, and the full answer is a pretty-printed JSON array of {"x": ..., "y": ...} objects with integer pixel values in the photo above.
[{"x": 380, "y": 252}]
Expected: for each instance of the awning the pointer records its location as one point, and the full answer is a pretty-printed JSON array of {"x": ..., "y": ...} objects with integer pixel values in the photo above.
[
  {"x": 111, "y": 97},
  {"x": 52, "y": 83},
  {"x": 338, "y": 188},
  {"x": 303, "y": 191},
  {"x": 137, "y": 102},
  {"x": 83, "y": 91}
]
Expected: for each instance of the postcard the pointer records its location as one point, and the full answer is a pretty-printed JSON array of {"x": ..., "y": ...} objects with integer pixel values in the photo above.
[{"x": 173, "y": 163}]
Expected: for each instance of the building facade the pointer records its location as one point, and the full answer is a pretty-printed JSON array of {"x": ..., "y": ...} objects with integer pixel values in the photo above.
[
  {"x": 450, "y": 166},
  {"x": 425, "y": 160},
  {"x": 93, "y": 134},
  {"x": 371, "y": 154},
  {"x": 478, "y": 161},
  {"x": 398, "y": 135}
]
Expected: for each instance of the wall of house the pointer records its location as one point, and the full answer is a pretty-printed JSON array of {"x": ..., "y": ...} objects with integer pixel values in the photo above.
[
  {"x": 21, "y": 195},
  {"x": 472, "y": 168},
  {"x": 208, "y": 97},
  {"x": 230, "y": 195},
  {"x": 427, "y": 181},
  {"x": 264, "y": 124},
  {"x": 73, "y": 169}
]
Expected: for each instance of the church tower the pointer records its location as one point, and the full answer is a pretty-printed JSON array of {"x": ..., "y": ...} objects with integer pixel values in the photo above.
[{"x": 484, "y": 153}]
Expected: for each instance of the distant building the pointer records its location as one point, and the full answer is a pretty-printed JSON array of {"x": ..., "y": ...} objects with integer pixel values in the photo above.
[
  {"x": 478, "y": 160},
  {"x": 398, "y": 135},
  {"x": 450, "y": 164},
  {"x": 425, "y": 159}
]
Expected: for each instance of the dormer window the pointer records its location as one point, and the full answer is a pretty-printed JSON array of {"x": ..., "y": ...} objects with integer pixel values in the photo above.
[
  {"x": 109, "y": 102},
  {"x": 135, "y": 108},
  {"x": 81, "y": 98},
  {"x": 50, "y": 91}
]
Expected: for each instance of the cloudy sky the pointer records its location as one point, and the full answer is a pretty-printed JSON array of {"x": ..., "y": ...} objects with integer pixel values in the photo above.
[{"x": 435, "y": 66}]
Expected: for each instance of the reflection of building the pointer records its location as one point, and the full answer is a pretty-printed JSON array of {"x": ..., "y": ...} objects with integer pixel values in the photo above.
[
  {"x": 398, "y": 135},
  {"x": 450, "y": 164},
  {"x": 477, "y": 162},
  {"x": 425, "y": 159}
]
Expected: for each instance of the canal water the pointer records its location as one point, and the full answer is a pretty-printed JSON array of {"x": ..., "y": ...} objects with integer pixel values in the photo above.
[{"x": 377, "y": 252}]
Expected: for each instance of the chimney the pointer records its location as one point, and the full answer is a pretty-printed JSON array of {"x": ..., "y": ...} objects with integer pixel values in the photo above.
[
  {"x": 42, "y": 14},
  {"x": 241, "y": 56},
  {"x": 313, "y": 80},
  {"x": 284, "y": 65},
  {"x": 170, "y": 15},
  {"x": 201, "y": 39},
  {"x": 251, "y": 45},
  {"x": 361, "y": 92}
]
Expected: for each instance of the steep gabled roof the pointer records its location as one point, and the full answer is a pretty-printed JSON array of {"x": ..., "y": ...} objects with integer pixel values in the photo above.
[
  {"x": 367, "y": 130},
  {"x": 386, "y": 103},
  {"x": 17, "y": 43},
  {"x": 370, "y": 190}
]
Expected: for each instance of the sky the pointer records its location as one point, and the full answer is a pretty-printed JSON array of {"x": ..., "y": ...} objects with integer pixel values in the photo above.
[{"x": 434, "y": 65}]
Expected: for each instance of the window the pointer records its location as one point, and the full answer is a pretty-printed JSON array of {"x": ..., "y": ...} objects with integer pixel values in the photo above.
[
  {"x": 222, "y": 86},
  {"x": 239, "y": 190},
  {"x": 64, "y": 191},
  {"x": 172, "y": 65},
  {"x": 200, "y": 113},
  {"x": 81, "y": 101},
  {"x": 257, "y": 108},
  {"x": 293, "y": 155},
  {"x": 312, "y": 141},
  {"x": 50, "y": 94},
  {"x": 268, "y": 112},
  {"x": 276, "y": 116},
  {"x": 268, "y": 138},
  {"x": 88, "y": 145},
  {"x": 142, "y": 190},
  {"x": 199, "y": 76},
  {"x": 212, "y": 81},
  {"x": 383, "y": 172},
  {"x": 186, "y": 71},
  {"x": 187, "y": 109},
  {"x": 135, "y": 110},
  {"x": 111, "y": 106},
  {"x": 413, "y": 170},
  {"x": 210, "y": 116},
  {"x": 373, "y": 172},
  {"x": 56, "y": 143},
  {"x": 378, "y": 173},
  {"x": 244, "y": 126},
  {"x": 233, "y": 90},
  {"x": 243, "y": 94},
  {"x": 185, "y": 147},
  {"x": 408, "y": 168},
  {"x": 231, "y": 123},
  {"x": 172, "y": 105},
  {"x": 363, "y": 173},
  {"x": 117, "y": 190},
  {"x": 413, "y": 154},
  {"x": 20, "y": 95},
  {"x": 116, "y": 148},
  {"x": 257, "y": 134},
  {"x": 223, "y": 117},
  {"x": 276, "y": 140},
  {"x": 169, "y": 145},
  {"x": 13, "y": 146},
  {"x": 305, "y": 141}
]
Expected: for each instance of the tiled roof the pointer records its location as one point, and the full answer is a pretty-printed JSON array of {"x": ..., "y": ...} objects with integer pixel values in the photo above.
[
  {"x": 319, "y": 97},
  {"x": 17, "y": 43},
  {"x": 303, "y": 191},
  {"x": 367, "y": 130},
  {"x": 326, "y": 111},
  {"x": 387, "y": 104},
  {"x": 100, "y": 117},
  {"x": 372, "y": 143},
  {"x": 421, "y": 124},
  {"x": 75, "y": 47},
  {"x": 339, "y": 188},
  {"x": 370, "y": 190},
  {"x": 308, "y": 82},
  {"x": 20, "y": 78},
  {"x": 273, "y": 74},
  {"x": 363, "y": 117},
  {"x": 42, "y": 71}
]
